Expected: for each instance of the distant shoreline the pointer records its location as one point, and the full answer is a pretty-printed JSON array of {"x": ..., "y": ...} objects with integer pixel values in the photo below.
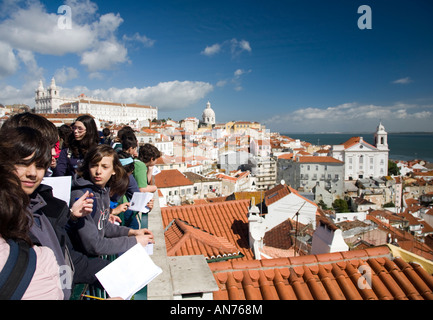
[{"x": 403, "y": 146}]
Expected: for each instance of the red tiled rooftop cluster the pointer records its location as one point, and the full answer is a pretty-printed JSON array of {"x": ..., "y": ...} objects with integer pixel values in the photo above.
[
  {"x": 228, "y": 220},
  {"x": 184, "y": 239},
  {"x": 333, "y": 276}
]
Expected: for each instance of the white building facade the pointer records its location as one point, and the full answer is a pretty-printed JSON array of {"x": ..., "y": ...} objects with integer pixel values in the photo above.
[
  {"x": 50, "y": 101},
  {"x": 361, "y": 159},
  {"x": 208, "y": 116}
]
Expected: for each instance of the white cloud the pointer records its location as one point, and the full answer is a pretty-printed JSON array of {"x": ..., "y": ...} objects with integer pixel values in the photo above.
[
  {"x": 236, "y": 47},
  {"x": 65, "y": 74},
  {"x": 169, "y": 95},
  {"x": 145, "y": 41},
  {"x": 11, "y": 95},
  {"x": 403, "y": 81},
  {"x": 92, "y": 37},
  {"x": 240, "y": 72},
  {"x": 107, "y": 25},
  {"x": 354, "y": 116},
  {"x": 33, "y": 29},
  {"x": 245, "y": 45},
  {"x": 105, "y": 56},
  {"x": 211, "y": 50},
  {"x": 165, "y": 95},
  {"x": 8, "y": 60},
  {"x": 33, "y": 70},
  {"x": 221, "y": 83},
  {"x": 235, "y": 80},
  {"x": 422, "y": 115},
  {"x": 82, "y": 10}
]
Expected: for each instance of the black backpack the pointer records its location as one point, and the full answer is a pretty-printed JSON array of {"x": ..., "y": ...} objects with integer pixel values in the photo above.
[{"x": 18, "y": 271}]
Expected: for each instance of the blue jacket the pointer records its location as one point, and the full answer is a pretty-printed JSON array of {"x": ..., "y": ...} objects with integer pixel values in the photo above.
[{"x": 66, "y": 164}]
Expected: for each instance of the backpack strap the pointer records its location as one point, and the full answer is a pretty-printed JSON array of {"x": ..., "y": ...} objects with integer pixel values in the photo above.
[{"x": 18, "y": 271}]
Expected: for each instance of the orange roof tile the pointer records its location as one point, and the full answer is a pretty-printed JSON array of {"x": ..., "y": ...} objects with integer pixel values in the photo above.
[
  {"x": 405, "y": 239},
  {"x": 280, "y": 191},
  {"x": 332, "y": 276},
  {"x": 171, "y": 178},
  {"x": 354, "y": 140},
  {"x": 287, "y": 156},
  {"x": 276, "y": 193},
  {"x": 225, "y": 219},
  {"x": 181, "y": 238},
  {"x": 318, "y": 159}
]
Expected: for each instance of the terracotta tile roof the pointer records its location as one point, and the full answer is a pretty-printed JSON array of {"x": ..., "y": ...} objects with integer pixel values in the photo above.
[
  {"x": 331, "y": 276},
  {"x": 276, "y": 193},
  {"x": 288, "y": 156},
  {"x": 319, "y": 159},
  {"x": 226, "y": 219},
  {"x": 278, "y": 237},
  {"x": 171, "y": 178},
  {"x": 181, "y": 238},
  {"x": 354, "y": 140},
  {"x": 280, "y": 191},
  {"x": 405, "y": 239}
]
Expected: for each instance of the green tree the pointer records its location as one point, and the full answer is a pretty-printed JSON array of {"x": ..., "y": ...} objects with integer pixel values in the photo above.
[
  {"x": 393, "y": 169},
  {"x": 340, "y": 205},
  {"x": 322, "y": 205},
  {"x": 389, "y": 205}
]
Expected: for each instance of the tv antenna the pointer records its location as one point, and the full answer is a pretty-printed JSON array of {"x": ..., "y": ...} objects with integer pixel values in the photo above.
[{"x": 296, "y": 226}]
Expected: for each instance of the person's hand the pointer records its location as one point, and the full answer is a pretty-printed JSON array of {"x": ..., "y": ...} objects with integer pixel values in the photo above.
[
  {"x": 83, "y": 206},
  {"x": 144, "y": 240},
  {"x": 143, "y": 236},
  {"x": 150, "y": 204},
  {"x": 137, "y": 232},
  {"x": 113, "y": 219},
  {"x": 120, "y": 208},
  {"x": 152, "y": 188}
]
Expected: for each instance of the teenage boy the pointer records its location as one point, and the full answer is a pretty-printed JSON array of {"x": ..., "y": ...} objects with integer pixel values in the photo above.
[{"x": 148, "y": 154}]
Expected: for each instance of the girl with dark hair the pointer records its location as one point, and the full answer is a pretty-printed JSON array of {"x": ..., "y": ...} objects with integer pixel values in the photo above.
[
  {"x": 84, "y": 136},
  {"x": 42, "y": 279},
  {"x": 102, "y": 173},
  {"x": 24, "y": 156},
  {"x": 15, "y": 220}
]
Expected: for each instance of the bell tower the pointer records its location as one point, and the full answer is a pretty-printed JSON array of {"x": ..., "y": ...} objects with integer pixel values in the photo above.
[{"x": 381, "y": 138}]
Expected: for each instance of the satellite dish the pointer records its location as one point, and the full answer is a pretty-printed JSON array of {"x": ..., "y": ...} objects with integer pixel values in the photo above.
[{"x": 283, "y": 182}]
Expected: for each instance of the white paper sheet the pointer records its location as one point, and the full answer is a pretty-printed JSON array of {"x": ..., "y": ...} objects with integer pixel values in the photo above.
[
  {"x": 140, "y": 200},
  {"x": 129, "y": 273},
  {"x": 61, "y": 187},
  {"x": 156, "y": 170}
]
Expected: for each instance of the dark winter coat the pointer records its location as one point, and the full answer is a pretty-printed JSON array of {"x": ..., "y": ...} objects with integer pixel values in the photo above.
[
  {"x": 50, "y": 218},
  {"x": 94, "y": 234}
]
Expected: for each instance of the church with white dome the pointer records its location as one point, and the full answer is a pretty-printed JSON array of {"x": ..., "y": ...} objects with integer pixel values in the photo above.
[{"x": 208, "y": 116}]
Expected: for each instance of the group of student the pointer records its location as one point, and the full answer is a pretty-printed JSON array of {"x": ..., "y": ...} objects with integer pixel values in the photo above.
[{"x": 47, "y": 245}]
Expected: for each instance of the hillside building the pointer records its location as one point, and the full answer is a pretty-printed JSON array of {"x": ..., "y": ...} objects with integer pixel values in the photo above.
[
  {"x": 50, "y": 101},
  {"x": 362, "y": 159}
]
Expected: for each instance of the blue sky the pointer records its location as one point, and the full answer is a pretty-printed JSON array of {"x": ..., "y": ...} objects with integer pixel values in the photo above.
[{"x": 296, "y": 66}]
